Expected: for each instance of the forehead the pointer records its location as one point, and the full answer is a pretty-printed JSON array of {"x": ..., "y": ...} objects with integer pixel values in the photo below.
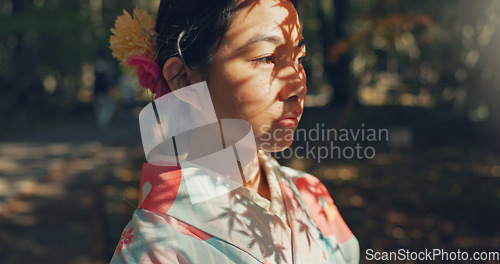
[{"x": 263, "y": 16}]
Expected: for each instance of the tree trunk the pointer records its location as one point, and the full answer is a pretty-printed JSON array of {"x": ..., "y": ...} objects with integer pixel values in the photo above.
[{"x": 338, "y": 73}]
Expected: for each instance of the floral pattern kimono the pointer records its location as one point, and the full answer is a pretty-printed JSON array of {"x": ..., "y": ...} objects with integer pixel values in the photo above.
[{"x": 300, "y": 224}]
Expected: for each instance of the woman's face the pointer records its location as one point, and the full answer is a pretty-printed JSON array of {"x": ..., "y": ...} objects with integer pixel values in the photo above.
[{"x": 257, "y": 73}]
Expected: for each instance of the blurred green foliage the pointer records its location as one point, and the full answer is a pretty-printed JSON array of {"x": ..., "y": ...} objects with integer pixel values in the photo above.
[
  {"x": 445, "y": 50},
  {"x": 438, "y": 54},
  {"x": 51, "y": 38},
  {"x": 422, "y": 54}
]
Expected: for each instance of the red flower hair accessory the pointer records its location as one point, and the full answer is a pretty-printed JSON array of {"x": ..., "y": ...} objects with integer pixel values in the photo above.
[
  {"x": 150, "y": 74},
  {"x": 133, "y": 43}
]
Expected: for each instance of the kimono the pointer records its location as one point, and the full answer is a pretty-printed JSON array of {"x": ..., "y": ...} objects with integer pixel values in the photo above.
[{"x": 304, "y": 225}]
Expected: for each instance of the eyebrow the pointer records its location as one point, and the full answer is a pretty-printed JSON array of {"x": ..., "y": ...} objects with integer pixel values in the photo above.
[
  {"x": 274, "y": 39},
  {"x": 263, "y": 37}
]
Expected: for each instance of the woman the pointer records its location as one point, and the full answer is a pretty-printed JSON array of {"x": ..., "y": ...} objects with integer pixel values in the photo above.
[{"x": 249, "y": 53}]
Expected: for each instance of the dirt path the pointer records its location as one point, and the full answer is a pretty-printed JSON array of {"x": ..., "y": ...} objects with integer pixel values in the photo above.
[{"x": 51, "y": 192}]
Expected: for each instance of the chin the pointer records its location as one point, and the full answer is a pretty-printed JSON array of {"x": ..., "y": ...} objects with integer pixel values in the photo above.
[
  {"x": 275, "y": 139},
  {"x": 276, "y": 146}
]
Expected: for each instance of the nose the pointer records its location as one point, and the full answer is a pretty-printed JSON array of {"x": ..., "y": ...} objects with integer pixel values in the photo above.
[{"x": 293, "y": 81}]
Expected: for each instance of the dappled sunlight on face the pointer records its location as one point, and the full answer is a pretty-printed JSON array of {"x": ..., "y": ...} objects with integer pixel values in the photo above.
[{"x": 257, "y": 73}]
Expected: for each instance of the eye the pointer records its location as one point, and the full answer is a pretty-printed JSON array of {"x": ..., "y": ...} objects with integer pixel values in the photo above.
[
  {"x": 301, "y": 59},
  {"x": 266, "y": 60}
]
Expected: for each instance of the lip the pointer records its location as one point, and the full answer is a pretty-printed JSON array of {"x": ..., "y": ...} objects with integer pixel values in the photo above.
[{"x": 290, "y": 120}]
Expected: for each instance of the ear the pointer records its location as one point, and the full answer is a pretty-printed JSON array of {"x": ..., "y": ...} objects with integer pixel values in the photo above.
[{"x": 178, "y": 75}]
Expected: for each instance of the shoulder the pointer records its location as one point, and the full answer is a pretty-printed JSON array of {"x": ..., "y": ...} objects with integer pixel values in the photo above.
[
  {"x": 320, "y": 205},
  {"x": 311, "y": 189},
  {"x": 308, "y": 184},
  {"x": 326, "y": 216},
  {"x": 158, "y": 238},
  {"x": 151, "y": 237}
]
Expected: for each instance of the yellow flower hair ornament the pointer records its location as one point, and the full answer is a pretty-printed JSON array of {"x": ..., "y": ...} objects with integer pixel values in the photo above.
[{"x": 133, "y": 43}]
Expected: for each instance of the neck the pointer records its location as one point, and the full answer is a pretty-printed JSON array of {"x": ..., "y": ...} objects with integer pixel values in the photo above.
[{"x": 259, "y": 184}]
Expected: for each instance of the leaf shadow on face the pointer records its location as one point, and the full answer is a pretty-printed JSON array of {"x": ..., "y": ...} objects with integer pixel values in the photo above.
[
  {"x": 256, "y": 225},
  {"x": 288, "y": 26},
  {"x": 287, "y": 75}
]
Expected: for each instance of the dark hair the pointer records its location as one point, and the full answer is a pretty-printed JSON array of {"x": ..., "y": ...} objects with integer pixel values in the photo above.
[{"x": 192, "y": 30}]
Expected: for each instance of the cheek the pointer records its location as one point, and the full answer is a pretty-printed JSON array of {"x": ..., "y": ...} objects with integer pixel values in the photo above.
[{"x": 239, "y": 96}]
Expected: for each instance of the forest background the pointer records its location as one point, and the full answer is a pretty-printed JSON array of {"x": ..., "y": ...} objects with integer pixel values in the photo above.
[{"x": 427, "y": 71}]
